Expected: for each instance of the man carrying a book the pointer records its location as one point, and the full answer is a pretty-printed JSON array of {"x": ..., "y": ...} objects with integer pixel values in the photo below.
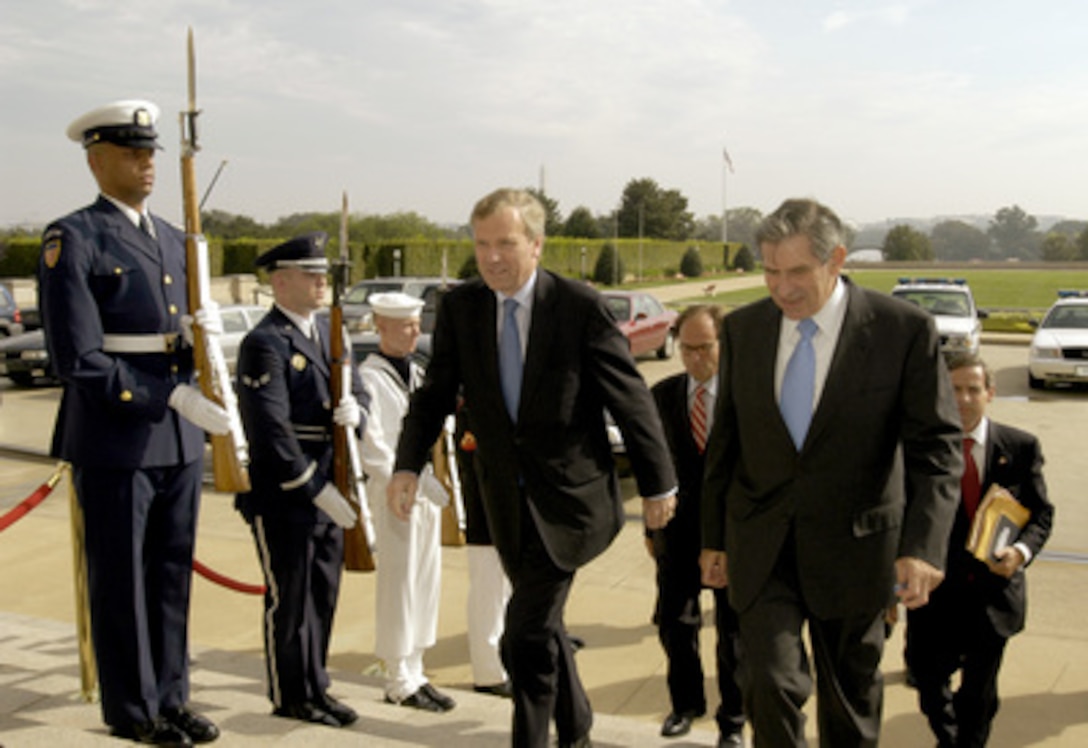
[{"x": 982, "y": 601}]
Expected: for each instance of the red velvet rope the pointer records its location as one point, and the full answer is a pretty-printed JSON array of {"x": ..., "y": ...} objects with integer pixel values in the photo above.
[
  {"x": 225, "y": 581},
  {"x": 24, "y": 507}
]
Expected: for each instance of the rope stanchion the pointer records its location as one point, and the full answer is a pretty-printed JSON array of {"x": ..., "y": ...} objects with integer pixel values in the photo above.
[
  {"x": 38, "y": 496},
  {"x": 225, "y": 581}
]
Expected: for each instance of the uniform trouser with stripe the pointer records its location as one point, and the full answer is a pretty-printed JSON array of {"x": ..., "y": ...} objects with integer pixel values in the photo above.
[
  {"x": 139, "y": 527},
  {"x": 302, "y": 564}
]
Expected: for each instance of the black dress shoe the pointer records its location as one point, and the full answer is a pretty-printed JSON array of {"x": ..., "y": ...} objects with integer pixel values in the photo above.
[
  {"x": 733, "y": 740},
  {"x": 199, "y": 729},
  {"x": 306, "y": 712},
  {"x": 156, "y": 732},
  {"x": 677, "y": 724},
  {"x": 340, "y": 711},
  {"x": 504, "y": 689},
  {"x": 438, "y": 697}
]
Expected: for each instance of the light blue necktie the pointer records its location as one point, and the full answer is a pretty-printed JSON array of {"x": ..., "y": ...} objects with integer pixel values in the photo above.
[
  {"x": 510, "y": 363},
  {"x": 798, "y": 384}
]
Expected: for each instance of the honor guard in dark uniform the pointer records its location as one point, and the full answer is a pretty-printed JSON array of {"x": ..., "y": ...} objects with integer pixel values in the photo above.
[
  {"x": 294, "y": 509},
  {"x": 113, "y": 295}
]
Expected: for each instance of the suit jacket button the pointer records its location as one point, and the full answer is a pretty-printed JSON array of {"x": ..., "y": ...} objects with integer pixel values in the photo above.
[{"x": 126, "y": 396}]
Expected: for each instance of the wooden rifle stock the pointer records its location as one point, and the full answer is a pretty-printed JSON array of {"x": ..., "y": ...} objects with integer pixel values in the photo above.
[
  {"x": 347, "y": 473},
  {"x": 230, "y": 452}
]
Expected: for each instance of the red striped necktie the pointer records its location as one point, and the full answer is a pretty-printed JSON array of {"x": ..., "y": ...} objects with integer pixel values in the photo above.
[{"x": 698, "y": 418}]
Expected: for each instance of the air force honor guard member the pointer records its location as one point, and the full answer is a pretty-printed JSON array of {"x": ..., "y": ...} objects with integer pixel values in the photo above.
[
  {"x": 294, "y": 509},
  {"x": 114, "y": 307}
]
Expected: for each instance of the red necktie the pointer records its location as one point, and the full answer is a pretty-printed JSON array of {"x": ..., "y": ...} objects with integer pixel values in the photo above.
[
  {"x": 698, "y": 418},
  {"x": 970, "y": 486}
]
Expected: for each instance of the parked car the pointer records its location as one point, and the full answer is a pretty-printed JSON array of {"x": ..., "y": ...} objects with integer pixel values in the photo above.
[
  {"x": 1059, "y": 348},
  {"x": 238, "y": 319},
  {"x": 11, "y": 319},
  {"x": 644, "y": 321},
  {"x": 357, "y": 315},
  {"x": 24, "y": 358},
  {"x": 958, "y": 320}
]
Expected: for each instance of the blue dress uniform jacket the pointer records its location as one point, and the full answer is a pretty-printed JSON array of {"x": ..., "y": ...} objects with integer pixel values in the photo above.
[
  {"x": 137, "y": 465},
  {"x": 286, "y": 406},
  {"x": 101, "y": 275}
]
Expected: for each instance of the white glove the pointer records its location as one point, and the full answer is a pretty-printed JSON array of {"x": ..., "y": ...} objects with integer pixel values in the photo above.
[
  {"x": 333, "y": 503},
  {"x": 194, "y": 407},
  {"x": 207, "y": 318},
  {"x": 347, "y": 412},
  {"x": 432, "y": 489}
]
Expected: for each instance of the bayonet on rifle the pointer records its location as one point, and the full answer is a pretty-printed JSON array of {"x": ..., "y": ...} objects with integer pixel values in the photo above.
[{"x": 230, "y": 452}]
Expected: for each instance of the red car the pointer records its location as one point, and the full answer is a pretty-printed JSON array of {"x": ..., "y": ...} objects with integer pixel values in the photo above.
[{"x": 646, "y": 323}]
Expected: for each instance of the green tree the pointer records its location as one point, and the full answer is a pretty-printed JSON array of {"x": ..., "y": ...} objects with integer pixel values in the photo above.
[
  {"x": 1057, "y": 247},
  {"x": 609, "y": 269},
  {"x": 230, "y": 225},
  {"x": 581, "y": 224},
  {"x": 1069, "y": 227},
  {"x": 744, "y": 260},
  {"x": 553, "y": 221},
  {"x": 650, "y": 211},
  {"x": 1013, "y": 232},
  {"x": 1082, "y": 245},
  {"x": 691, "y": 264},
  {"x": 957, "y": 240},
  {"x": 904, "y": 243}
]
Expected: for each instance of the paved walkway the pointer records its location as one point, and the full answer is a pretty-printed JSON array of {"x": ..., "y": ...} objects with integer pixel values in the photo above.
[{"x": 1044, "y": 681}]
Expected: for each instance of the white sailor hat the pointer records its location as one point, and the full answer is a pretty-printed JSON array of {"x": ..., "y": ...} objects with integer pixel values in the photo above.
[
  {"x": 129, "y": 123},
  {"x": 395, "y": 304},
  {"x": 306, "y": 252}
]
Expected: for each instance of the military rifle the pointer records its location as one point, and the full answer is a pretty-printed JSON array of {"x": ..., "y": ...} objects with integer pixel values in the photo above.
[
  {"x": 346, "y": 465},
  {"x": 230, "y": 452}
]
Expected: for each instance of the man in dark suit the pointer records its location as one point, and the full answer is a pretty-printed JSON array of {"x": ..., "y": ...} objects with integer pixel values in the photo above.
[
  {"x": 539, "y": 358},
  {"x": 685, "y": 402},
  {"x": 971, "y": 616},
  {"x": 112, "y": 280},
  {"x": 294, "y": 509},
  {"x": 831, "y": 480}
]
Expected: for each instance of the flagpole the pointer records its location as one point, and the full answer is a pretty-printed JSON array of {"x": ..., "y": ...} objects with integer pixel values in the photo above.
[{"x": 727, "y": 167}]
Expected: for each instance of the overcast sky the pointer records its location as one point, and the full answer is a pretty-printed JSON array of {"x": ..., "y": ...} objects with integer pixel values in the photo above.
[{"x": 908, "y": 109}]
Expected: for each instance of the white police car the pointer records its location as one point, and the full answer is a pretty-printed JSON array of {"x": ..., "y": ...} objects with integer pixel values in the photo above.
[
  {"x": 1059, "y": 349},
  {"x": 958, "y": 320}
]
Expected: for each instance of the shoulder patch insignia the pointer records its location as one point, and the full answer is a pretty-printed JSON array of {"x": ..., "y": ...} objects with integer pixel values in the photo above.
[
  {"x": 51, "y": 252},
  {"x": 298, "y": 361}
]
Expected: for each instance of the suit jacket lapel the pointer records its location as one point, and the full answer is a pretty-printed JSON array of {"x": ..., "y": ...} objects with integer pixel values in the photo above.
[
  {"x": 854, "y": 346},
  {"x": 541, "y": 332}
]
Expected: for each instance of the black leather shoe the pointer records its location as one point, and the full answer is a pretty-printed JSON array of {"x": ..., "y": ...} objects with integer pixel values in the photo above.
[
  {"x": 199, "y": 729},
  {"x": 156, "y": 732},
  {"x": 677, "y": 724},
  {"x": 340, "y": 711},
  {"x": 503, "y": 690},
  {"x": 733, "y": 740},
  {"x": 438, "y": 697},
  {"x": 425, "y": 699},
  {"x": 306, "y": 712}
]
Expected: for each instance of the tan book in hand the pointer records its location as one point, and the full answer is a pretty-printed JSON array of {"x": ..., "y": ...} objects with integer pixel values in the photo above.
[{"x": 997, "y": 524}]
